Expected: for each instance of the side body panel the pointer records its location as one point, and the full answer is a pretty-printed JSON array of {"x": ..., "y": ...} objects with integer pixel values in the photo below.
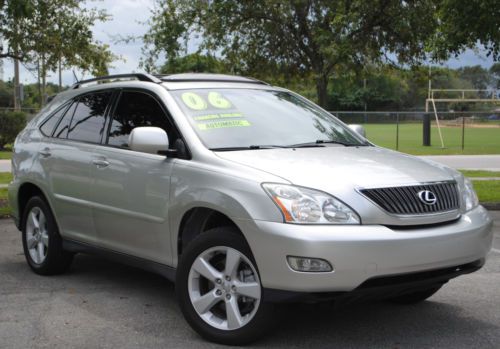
[
  {"x": 67, "y": 176},
  {"x": 130, "y": 202}
]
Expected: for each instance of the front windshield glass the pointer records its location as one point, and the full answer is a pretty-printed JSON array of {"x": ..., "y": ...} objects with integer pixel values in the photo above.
[{"x": 251, "y": 118}]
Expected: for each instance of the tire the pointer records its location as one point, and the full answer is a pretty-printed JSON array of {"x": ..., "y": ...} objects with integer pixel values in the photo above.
[
  {"x": 42, "y": 243},
  {"x": 204, "y": 286},
  {"x": 415, "y": 297}
]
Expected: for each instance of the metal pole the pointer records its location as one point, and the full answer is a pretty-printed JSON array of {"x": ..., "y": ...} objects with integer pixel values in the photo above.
[
  {"x": 364, "y": 97},
  {"x": 426, "y": 125},
  {"x": 463, "y": 132},
  {"x": 437, "y": 123},
  {"x": 397, "y": 131}
]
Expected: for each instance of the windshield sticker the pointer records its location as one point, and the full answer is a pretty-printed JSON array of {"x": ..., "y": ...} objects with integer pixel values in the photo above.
[
  {"x": 223, "y": 124},
  {"x": 217, "y": 116},
  {"x": 218, "y": 101},
  {"x": 194, "y": 101}
]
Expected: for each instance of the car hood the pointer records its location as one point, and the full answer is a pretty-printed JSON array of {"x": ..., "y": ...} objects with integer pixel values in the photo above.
[
  {"x": 330, "y": 167},
  {"x": 342, "y": 171}
]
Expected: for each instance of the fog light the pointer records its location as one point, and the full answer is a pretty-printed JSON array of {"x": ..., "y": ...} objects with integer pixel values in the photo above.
[{"x": 306, "y": 264}]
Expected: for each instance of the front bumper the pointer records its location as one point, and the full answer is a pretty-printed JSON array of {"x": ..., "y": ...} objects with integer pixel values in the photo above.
[{"x": 361, "y": 252}]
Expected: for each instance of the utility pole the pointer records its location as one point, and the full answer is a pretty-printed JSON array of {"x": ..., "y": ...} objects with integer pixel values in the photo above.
[{"x": 364, "y": 97}]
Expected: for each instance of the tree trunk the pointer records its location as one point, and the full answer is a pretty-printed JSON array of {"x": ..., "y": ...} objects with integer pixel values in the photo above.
[
  {"x": 40, "y": 98},
  {"x": 322, "y": 90},
  {"x": 60, "y": 75},
  {"x": 17, "y": 97},
  {"x": 44, "y": 80}
]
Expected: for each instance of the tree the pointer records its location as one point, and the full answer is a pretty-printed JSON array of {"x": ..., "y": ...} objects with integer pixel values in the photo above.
[
  {"x": 195, "y": 63},
  {"x": 495, "y": 74},
  {"x": 317, "y": 38},
  {"x": 11, "y": 123},
  {"x": 53, "y": 34},
  {"x": 465, "y": 24},
  {"x": 300, "y": 36}
]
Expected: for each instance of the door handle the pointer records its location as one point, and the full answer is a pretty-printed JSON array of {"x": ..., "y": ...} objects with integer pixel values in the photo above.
[
  {"x": 45, "y": 152},
  {"x": 100, "y": 163}
]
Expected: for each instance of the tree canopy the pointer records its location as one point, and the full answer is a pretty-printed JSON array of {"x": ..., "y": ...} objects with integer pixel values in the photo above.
[
  {"x": 320, "y": 38},
  {"x": 50, "y": 33}
]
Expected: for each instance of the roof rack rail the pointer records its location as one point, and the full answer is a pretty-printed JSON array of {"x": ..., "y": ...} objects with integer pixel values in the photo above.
[
  {"x": 138, "y": 76},
  {"x": 207, "y": 77}
]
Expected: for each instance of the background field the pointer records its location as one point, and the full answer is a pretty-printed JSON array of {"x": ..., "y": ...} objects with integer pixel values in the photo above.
[{"x": 477, "y": 140}]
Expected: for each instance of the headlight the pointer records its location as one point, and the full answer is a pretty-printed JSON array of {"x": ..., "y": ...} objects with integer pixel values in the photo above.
[
  {"x": 469, "y": 195},
  {"x": 307, "y": 206}
]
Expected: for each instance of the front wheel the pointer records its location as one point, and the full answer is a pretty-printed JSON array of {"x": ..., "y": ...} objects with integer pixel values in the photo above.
[{"x": 219, "y": 289}]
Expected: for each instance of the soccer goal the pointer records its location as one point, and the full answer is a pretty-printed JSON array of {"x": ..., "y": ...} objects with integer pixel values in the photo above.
[{"x": 457, "y": 96}]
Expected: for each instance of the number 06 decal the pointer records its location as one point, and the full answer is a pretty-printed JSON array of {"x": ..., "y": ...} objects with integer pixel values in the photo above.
[
  {"x": 218, "y": 101},
  {"x": 194, "y": 101}
]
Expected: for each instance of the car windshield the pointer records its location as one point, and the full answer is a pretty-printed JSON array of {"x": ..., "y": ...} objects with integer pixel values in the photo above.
[{"x": 233, "y": 119}]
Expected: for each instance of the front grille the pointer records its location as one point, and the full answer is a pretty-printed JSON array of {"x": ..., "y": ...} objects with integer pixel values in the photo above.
[{"x": 406, "y": 201}]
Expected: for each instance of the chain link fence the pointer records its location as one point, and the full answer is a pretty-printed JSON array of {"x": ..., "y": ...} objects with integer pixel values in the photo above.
[{"x": 462, "y": 132}]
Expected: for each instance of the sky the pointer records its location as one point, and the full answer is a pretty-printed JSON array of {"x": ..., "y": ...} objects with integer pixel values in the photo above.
[{"x": 127, "y": 19}]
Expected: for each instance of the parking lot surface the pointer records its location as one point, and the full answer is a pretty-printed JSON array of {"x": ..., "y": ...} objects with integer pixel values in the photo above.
[{"x": 100, "y": 304}]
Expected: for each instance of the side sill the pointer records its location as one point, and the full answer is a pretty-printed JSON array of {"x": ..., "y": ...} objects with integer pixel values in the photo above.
[{"x": 157, "y": 268}]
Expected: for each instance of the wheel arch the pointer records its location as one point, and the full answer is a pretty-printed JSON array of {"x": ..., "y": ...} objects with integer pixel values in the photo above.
[
  {"x": 198, "y": 220},
  {"x": 26, "y": 191}
]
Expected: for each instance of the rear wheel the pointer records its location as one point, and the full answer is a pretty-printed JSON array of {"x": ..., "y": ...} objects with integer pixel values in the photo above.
[
  {"x": 415, "y": 297},
  {"x": 41, "y": 240},
  {"x": 219, "y": 289}
]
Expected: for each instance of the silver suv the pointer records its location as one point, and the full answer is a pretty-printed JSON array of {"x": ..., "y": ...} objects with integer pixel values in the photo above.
[{"x": 247, "y": 195}]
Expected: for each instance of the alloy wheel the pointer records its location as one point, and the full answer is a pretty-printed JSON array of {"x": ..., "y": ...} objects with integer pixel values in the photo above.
[
  {"x": 37, "y": 236},
  {"x": 224, "y": 288}
]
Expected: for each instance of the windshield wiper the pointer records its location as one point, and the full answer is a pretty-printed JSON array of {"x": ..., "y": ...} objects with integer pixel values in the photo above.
[
  {"x": 326, "y": 141},
  {"x": 250, "y": 147},
  {"x": 319, "y": 142}
]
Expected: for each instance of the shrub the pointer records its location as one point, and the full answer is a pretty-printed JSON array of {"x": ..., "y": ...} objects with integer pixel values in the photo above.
[{"x": 11, "y": 123}]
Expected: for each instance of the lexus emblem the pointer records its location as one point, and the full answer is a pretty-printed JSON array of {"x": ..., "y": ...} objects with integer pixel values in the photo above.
[{"x": 427, "y": 197}]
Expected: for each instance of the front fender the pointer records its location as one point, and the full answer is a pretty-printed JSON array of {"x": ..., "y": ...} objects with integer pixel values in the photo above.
[{"x": 236, "y": 197}]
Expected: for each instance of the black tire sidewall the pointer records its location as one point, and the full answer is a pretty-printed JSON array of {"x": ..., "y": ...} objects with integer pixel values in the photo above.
[
  {"x": 262, "y": 320},
  {"x": 56, "y": 260}
]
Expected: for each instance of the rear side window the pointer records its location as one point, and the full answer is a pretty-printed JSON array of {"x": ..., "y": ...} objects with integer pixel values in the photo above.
[
  {"x": 88, "y": 119},
  {"x": 62, "y": 129},
  {"x": 48, "y": 126},
  {"x": 136, "y": 109}
]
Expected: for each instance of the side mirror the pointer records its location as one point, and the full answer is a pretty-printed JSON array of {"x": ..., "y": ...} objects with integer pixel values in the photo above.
[
  {"x": 148, "y": 140},
  {"x": 358, "y": 129}
]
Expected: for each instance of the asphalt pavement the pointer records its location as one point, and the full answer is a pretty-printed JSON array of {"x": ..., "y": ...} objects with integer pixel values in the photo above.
[{"x": 100, "y": 304}]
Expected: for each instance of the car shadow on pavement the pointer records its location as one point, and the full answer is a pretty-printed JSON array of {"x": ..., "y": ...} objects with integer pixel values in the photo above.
[{"x": 130, "y": 302}]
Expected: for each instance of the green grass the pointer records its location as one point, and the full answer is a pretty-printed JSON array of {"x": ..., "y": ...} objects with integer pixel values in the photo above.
[
  {"x": 5, "y": 177},
  {"x": 4, "y": 205},
  {"x": 487, "y": 191},
  {"x": 477, "y": 173},
  {"x": 5, "y": 154},
  {"x": 477, "y": 140}
]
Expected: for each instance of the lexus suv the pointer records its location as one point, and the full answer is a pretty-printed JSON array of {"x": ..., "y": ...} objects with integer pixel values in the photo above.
[{"x": 244, "y": 194}]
